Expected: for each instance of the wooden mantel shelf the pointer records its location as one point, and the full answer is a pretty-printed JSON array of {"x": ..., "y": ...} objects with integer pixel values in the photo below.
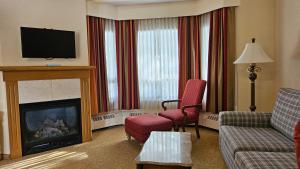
[
  {"x": 19, "y": 73},
  {"x": 13, "y": 74},
  {"x": 43, "y": 68}
]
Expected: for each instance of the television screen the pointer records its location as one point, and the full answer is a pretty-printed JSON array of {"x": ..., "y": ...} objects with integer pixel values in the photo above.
[{"x": 47, "y": 43}]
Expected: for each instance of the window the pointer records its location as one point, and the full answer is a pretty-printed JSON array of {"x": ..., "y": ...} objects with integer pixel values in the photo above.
[
  {"x": 205, "y": 25},
  {"x": 157, "y": 55},
  {"x": 111, "y": 64}
]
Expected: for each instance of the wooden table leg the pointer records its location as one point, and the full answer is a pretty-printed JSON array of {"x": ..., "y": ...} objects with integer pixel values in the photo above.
[{"x": 139, "y": 166}]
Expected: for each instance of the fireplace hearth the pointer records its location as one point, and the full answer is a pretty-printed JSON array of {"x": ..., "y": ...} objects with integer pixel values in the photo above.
[{"x": 49, "y": 125}]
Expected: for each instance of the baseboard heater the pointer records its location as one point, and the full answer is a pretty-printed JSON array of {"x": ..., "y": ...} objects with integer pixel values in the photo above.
[
  {"x": 116, "y": 118},
  {"x": 210, "y": 120},
  {"x": 110, "y": 119}
]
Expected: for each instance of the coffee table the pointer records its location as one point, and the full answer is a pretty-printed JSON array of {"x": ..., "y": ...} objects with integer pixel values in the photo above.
[{"x": 167, "y": 149}]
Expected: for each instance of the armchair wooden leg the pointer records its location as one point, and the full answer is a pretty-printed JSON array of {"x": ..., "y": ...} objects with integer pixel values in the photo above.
[
  {"x": 176, "y": 128},
  {"x": 197, "y": 129},
  {"x": 184, "y": 122}
]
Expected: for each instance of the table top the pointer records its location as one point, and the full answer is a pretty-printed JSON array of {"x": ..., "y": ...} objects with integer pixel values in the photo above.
[{"x": 167, "y": 148}]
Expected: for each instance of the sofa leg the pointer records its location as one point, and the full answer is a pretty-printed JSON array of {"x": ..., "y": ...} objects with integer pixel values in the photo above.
[
  {"x": 128, "y": 136},
  {"x": 197, "y": 129}
]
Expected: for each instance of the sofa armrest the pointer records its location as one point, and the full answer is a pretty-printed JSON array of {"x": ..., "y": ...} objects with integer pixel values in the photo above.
[{"x": 245, "y": 119}]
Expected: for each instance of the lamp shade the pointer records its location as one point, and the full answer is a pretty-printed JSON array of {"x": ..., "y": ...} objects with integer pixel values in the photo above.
[{"x": 253, "y": 53}]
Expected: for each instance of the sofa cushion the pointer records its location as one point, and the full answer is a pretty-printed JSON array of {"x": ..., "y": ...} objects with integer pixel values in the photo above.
[
  {"x": 254, "y": 139},
  {"x": 286, "y": 111},
  {"x": 265, "y": 160}
]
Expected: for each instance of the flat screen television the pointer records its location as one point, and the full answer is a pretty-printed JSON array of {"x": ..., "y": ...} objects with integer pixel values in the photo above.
[{"x": 47, "y": 43}]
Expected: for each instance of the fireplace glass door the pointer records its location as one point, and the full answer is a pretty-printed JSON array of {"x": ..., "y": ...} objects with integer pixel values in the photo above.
[{"x": 48, "y": 125}]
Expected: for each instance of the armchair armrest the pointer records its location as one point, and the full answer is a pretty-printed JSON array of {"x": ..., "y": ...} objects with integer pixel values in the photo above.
[
  {"x": 168, "y": 101},
  {"x": 245, "y": 119},
  {"x": 190, "y": 106}
]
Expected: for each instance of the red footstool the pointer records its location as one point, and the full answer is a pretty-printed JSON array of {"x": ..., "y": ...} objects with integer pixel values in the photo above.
[{"x": 140, "y": 127}]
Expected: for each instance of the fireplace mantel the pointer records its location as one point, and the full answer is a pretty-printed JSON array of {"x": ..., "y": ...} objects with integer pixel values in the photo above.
[
  {"x": 13, "y": 74},
  {"x": 43, "y": 68}
]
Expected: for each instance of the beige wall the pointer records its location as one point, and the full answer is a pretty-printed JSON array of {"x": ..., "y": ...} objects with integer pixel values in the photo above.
[
  {"x": 159, "y": 10},
  {"x": 54, "y": 14},
  {"x": 256, "y": 19},
  {"x": 104, "y": 10},
  {"x": 288, "y": 43}
]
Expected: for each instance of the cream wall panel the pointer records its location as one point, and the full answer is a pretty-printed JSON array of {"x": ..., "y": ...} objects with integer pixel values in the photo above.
[
  {"x": 65, "y": 89},
  {"x": 47, "y": 90},
  {"x": 34, "y": 91},
  {"x": 288, "y": 44},
  {"x": 4, "y": 131}
]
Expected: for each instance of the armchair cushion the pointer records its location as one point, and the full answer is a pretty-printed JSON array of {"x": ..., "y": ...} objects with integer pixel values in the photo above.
[
  {"x": 245, "y": 119},
  {"x": 254, "y": 139},
  {"x": 286, "y": 111},
  {"x": 177, "y": 116}
]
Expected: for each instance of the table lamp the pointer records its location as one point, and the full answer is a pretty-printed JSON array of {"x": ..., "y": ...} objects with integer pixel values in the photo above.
[{"x": 253, "y": 54}]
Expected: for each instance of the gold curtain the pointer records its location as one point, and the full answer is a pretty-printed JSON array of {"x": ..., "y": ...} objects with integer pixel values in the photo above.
[{"x": 220, "y": 83}]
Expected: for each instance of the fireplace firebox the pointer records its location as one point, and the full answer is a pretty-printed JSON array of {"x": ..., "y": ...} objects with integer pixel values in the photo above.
[{"x": 49, "y": 125}]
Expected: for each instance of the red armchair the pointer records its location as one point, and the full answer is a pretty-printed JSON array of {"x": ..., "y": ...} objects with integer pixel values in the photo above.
[{"x": 190, "y": 106}]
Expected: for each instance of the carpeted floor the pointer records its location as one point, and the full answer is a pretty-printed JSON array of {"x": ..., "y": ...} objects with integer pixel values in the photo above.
[{"x": 111, "y": 150}]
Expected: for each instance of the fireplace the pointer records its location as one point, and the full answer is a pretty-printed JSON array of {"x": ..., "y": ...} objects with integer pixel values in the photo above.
[{"x": 49, "y": 125}]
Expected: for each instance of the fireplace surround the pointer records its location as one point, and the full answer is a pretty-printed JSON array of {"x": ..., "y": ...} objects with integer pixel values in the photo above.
[
  {"x": 12, "y": 75},
  {"x": 51, "y": 124}
]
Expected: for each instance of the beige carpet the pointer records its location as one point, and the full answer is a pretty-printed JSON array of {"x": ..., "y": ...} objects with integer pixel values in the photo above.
[{"x": 111, "y": 150}]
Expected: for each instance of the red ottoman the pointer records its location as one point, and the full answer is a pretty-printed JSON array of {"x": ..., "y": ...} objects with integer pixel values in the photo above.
[{"x": 140, "y": 127}]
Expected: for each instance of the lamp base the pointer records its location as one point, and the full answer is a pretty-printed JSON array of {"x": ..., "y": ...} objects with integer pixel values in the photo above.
[
  {"x": 252, "y": 108},
  {"x": 252, "y": 69}
]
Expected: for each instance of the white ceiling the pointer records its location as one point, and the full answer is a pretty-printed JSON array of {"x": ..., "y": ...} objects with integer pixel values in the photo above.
[{"x": 134, "y": 2}]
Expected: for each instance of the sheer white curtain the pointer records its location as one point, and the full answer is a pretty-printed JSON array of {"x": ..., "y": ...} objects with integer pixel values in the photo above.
[
  {"x": 111, "y": 64},
  {"x": 205, "y": 26},
  {"x": 157, "y": 53}
]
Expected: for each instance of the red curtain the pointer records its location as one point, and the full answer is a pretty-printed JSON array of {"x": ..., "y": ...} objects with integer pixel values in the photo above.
[
  {"x": 220, "y": 83},
  {"x": 189, "y": 50},
  {"x": 128, "y": 91},
  {"x": 99, "y": 90}
]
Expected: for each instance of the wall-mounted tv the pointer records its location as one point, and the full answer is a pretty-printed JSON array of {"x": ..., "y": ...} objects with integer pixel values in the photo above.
[{"x": 47, "y": 43}]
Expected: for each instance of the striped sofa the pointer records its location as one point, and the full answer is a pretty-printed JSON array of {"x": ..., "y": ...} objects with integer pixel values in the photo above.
[{"x": 252, "y": 140}]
